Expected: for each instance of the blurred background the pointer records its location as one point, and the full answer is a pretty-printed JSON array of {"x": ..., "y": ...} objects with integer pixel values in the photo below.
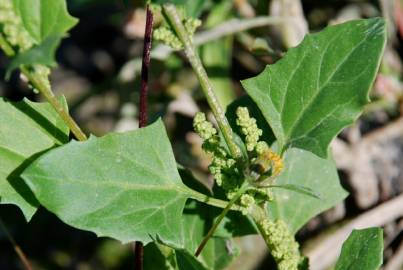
[{"x": 98, "y": 72}]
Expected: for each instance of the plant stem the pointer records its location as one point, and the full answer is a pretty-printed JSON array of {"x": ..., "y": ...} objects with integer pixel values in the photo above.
[
  {"x": 229, "y": 27},
  {"x": 51, "y": 98},
  {"x": 210, "y": 233},
  {"x": 139, "y": 249},
  {"x": 46, "y": 92},
  {"x": 210, "y": 200},
  {"x": 17, "y": 249},
  {"x": 176, "y": 23}
]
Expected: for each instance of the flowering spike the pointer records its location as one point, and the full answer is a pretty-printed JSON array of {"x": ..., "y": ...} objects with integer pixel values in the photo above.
[
  {"x": 282, "y": 245},
  {"x": 248, "y": 127}
]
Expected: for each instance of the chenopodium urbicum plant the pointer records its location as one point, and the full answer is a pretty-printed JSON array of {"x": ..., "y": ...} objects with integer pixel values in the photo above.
[{"x": 269, "y": 151}]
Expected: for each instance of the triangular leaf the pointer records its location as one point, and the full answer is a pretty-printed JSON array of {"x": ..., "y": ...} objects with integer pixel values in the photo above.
[
  {"x": 27, "y": 129},
  {"x": 320, "y": 87},
  {"x": 122, "y": 185},
  {"x": 362, "y": 250}
]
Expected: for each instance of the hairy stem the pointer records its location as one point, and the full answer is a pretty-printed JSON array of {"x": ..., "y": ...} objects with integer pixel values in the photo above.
[
  {"x": 219, "y": 219},
  {"x": 46, "y": 92},
  {"x": 175, "y": 21}
]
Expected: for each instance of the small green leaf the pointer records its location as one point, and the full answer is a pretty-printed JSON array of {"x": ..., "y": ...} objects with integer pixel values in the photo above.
[
  {"x": 123, "y": 185},
  {"x": 321, "y": 86},
  {"x": 27, "y": 129},
  {"x": 303, "y": 168},
  {"x": 362, "y": 250},
  {"x": 44, "y": 18},
  {"x": 43, "y": 54}
]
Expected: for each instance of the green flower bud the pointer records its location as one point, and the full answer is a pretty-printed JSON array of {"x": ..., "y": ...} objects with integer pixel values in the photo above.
[
  {"x": 191, "y": 25},
  {"x": 248, "y": 127},
  {"x": 202, "y": 127},
  {"x": 247, "y": 202},
  {"x": 12, "y": 28},
  {"x": 165, "y": 35},
  {"x": 282, "y": 245}
]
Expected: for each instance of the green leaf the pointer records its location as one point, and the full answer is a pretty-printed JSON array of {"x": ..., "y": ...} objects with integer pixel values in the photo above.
[
  {"x": 320, "y": 87},
  {"x": 303, "y": 168},
  {"x": 43, "y": 54},
  {"x": 27, "y": 129},
  {"x": 44, "y": 18},
  {"x": 362, "y": 250},
  {"x": 123, "y": 185},
  {"x": 303, "y": 190}
]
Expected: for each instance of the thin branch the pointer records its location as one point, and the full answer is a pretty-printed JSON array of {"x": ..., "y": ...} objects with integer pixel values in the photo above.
[
  {"x": 17, "y": 249},
  {"x": 139, "y": 249},
  {"x": 194, "y": 59},
  {"x": 227, "y": 28},
  {"x": 210, "y": 233}
]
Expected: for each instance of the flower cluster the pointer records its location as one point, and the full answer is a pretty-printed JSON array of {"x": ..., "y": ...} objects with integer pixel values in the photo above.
[
  {"x": 265, "y": 158},
  {"x": 12, "y": 27},
  {"x": 248, "y": 127},
  {"x": 222, "y": 167},
  {"x": 283, "y": 247},
  {"x": 167, "y": 36}
]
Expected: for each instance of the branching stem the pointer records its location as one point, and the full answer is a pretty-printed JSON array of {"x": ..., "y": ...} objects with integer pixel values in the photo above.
[
  {"x": 210, "y": 233},
  {"x": 46, "y": 92},
  {"x": 176, "y": 23}
]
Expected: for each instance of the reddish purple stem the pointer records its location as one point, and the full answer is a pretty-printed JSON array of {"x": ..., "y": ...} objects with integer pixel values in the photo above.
[
  {"x": 139, "y": 249},
  {"x": 144, "y": 68}
]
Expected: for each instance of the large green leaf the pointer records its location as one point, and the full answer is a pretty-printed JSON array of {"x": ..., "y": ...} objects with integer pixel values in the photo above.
[
  {"x": 27, "y": 129},
  {"x": 122, "y": 185},
  {"x": 320, "y": 87},
  {"x": 305, "y": 169},
  {"x": 362, "y": 250},
  {"x": 43, "y": 18}
]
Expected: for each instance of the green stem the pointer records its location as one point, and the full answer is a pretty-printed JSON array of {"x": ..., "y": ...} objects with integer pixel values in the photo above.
[
  {"x": 236, "y": 197},
  {"x": 45, "y": 90},
  {"x": 210, "y": 200},
  {"x": 176, "y": 23}
]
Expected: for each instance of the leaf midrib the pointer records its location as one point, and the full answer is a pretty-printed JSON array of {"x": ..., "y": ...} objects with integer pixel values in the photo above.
[{"x": 300, "y": 116}]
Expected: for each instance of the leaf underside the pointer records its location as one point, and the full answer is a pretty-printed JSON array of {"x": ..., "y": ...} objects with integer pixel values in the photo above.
[
  {"x": 125, "y": 186},
  {"x": 362, "y": 250},
  {"x": 320, "y": 87},
  {"x": 27, "y": 129}
]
